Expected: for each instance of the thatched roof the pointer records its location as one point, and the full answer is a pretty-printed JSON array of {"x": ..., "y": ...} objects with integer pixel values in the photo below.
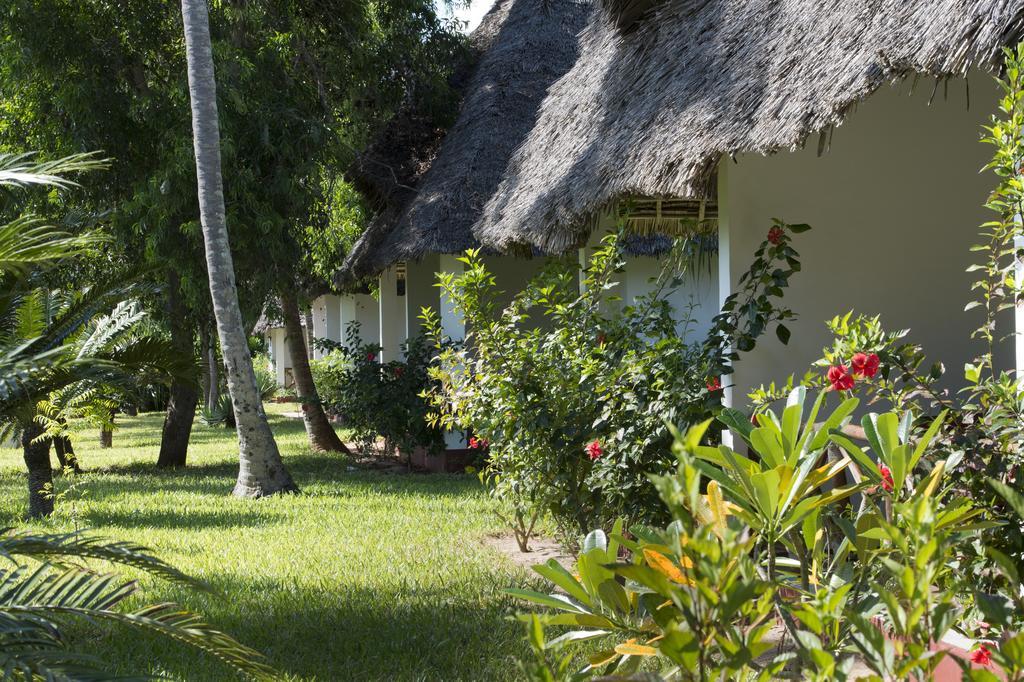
[
  {"x": 654, "y": 103},
  {"x": 526, "y": 45}
]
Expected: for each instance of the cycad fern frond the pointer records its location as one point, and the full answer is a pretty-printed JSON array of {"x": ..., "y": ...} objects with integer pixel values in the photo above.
[
  {"x": 35, "y": 603},
  {"x": 105, "y": 330}
]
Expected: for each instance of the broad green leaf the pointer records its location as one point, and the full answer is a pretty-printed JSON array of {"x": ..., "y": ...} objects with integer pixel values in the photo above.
[
  {"x": 927, "y": 438},
  {"x": 767, "y": 442},
  {"x": 595, "y": 539},
  {"x": 868, "y": 467},
  {"x": 766, "y": 491},
  {"x": 1012, "y": 497},
  {"x": 556, "y": 573},
  {"x": 834, "y": 421},
  {"x": 737, "y": 422},
  {"x": 555, "y": 601}
]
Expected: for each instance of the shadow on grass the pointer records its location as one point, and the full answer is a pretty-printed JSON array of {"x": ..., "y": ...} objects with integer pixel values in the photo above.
[
  {"x": 318, "y": 475},
  {"x": 189, "y": 519},
  {"x": 394, "y": 632}
]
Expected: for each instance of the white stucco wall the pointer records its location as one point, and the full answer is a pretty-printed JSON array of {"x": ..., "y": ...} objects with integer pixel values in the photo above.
[
  {"x": 326, "y": 320},
  {"x": 695, "y": 301},
  {"x": 421, "y": 290},
  {"x": 696, "y": 298},
  {"x": 894, "y": 205},
  {"x": 277, "y": 346},
  {"x": 364, "y": 309},
  {"x": 393, "y": 317}
]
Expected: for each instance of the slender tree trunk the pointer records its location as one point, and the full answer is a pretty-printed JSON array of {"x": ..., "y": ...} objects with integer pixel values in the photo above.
[
  {"x": 261, "y": 471},
  {"x": 66, "y": 454},
  {"x": 212, "y": 371},
  {"x": 177, "y": 431},
  {"x": 181, "y": 408},
  {"x": 40, "y": 474},
  {"x": 321, "y": 434},
  {"x": 308, "y": 315},
  {"x": 204, "y": 368}
]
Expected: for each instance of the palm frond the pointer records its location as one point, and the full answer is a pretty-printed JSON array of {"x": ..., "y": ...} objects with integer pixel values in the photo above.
[
  {"x": 36, "y": 601},
  {"x": 105, "y": 330},
  {"x": 26, "y": 170},
  {"x": 86, "y": 304},
  {"x": 58, "y": 547},
  {"x": 28, "y": 240}
]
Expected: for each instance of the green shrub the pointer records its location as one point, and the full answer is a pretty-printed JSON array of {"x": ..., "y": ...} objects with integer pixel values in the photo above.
[
  {"x": 574, "y": 409},
  {"x": 266, "y": 381},
  {"x": 772, "y": 536},
  {"x": 379, "y": 400}
]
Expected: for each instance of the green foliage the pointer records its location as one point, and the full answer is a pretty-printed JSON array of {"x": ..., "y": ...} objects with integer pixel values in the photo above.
[
  {"x": 425, "y": 603},
  {"x": 981, "y": 428},
  {"x": 572, "y": 391},
  {"x": 375, "y": 399},
  {"x": 266, "y": 382},
  {"x": 780, "y": 490},
  {"x": 60, "y": 352},
  {"x": 774, "y": 540}
]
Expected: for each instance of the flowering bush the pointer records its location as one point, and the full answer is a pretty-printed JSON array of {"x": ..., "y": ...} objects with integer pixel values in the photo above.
[
  {"x": 575, "y": 407},
  {"x": 374, "y": 399},
  {"x": 986, "y": 418},
  {"x": 873, "y": 581}
]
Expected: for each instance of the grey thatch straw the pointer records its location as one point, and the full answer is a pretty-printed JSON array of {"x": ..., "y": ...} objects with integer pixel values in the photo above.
[
  {"x": 528, "y": 45},
  {"x": 654, "y": 103}
]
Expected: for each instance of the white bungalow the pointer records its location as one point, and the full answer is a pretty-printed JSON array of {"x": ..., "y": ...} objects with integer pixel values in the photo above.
[
  {"x": 717, "y": 99},
  {"x": 431, "y": 197}
]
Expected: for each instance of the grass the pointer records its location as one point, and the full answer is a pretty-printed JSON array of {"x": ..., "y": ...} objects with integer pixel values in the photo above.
[{"x": 365, "y": 576}]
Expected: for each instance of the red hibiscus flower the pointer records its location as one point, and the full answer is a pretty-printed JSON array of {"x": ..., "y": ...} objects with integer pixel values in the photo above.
[
  {"x": 714, "y": 384},
  {"x": 399, "y": 371},
  {"x": 840, "y": 378},
  {"x": 478, "y": 443},
  {"x": 981, "y": 655},
  {"x": 594, "y": 450},
  {"x": 775, "y": 235},
  {"x": 888, "y": 485},
  {"x": 864, "y": 365},
  {"x": 370, "y": 357}
]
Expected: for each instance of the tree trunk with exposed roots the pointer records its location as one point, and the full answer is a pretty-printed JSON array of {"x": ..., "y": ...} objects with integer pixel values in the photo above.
[{"x": 261, "y": 471}]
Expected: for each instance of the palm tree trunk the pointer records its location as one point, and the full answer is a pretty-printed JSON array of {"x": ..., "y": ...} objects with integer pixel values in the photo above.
[
  {"x": 308, "y": 319},
  {"x": 181, "y": 408},
  {"x": 321, "y": 434},
  {"x": 40, "y": 473},
  {"x": 261, "y": 471}
]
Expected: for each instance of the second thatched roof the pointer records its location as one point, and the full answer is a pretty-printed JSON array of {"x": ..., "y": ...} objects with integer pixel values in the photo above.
[
  {"x": 524, "y": 46},
  {"x": 651, "y": 107}
]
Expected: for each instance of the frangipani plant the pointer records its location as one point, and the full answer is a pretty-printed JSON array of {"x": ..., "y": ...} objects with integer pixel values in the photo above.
[{"x": 777, "y": 492}]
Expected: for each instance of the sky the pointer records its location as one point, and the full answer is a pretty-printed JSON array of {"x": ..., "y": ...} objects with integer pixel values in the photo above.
[{"x": 471, "y": 15}]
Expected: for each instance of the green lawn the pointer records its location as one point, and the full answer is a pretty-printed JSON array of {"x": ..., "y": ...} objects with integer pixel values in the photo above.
[{"x": 365, "y": 576}]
